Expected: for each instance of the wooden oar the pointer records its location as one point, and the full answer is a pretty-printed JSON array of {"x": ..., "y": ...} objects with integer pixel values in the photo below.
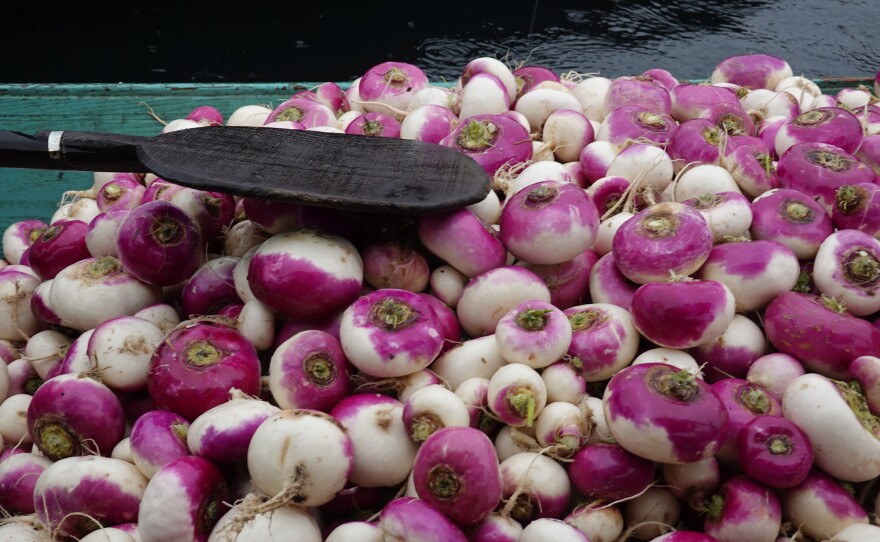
[{"x": 342, "y": 171}]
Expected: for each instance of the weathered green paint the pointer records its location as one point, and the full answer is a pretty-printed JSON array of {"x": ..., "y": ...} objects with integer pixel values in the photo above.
[{"x": 123, "y": 108}]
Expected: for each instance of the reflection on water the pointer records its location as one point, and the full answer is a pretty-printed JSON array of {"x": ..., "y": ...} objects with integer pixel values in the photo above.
[{"x": 338, "y": 41}]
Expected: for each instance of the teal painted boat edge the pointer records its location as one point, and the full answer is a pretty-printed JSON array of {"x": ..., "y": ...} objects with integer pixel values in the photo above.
[{"x": 126, "y": 108}]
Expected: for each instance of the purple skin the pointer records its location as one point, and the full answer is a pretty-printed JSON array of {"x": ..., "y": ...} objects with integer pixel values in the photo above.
[
  {"x": 752, "y": 71},
  {"x": 728, "y": 356},
  {"x": 633, "y": 122},
  {"x": 96, "y": 489},
  {"x": 847, "y": 268},
  {"x": 395, "y": 264},
  {"x": 23, "y": 378},
  {"x": 222, "y": 435},
  {"x": 743, "y": 509},
  {"x": 531, "y": 331},
  {"x": 206, "y": 114},
  {"x": 609, "y": 472},
  {"x": 696, "y": 140},
  {"x": 682, "y": 314},
  {"x": 866, "y": 371},
  {"x": 447, "y": 321},
  {"x": 830, "y": 504},
  {"x": 103, "y": 229},
  {"x": 306, "y": 274},
  {"x": 374, "y": 124},
  {"x": 689, "y": 100},
  {"x": 390, "y": 333},
  {"x": 491, "y": 140},
  {"x": 429, "y": 123},
  {"x": 392, "y": 83},
  {"x": 792, "y": 218},
  {"x": 665, "y": 238},
  {"x": 274, "y": 216},
  {"x": 160, "y": 189},
  {"x": 191, "y": 484},
  {"x": 463, "y": 240},
  {"x": 40, "y": 305},
  {"x": 18, "y": 478},
  {"x": 824, "y": 340},
  {"x": 549, "y": 222},
  {"x": 869, "y": 152},
  {"x": 596, "y": 158},
  {"x": 774, "y": 451},
  {"x": 642, "y": 91},
  {"x": 311, "y": 370},
  {"x": 310, "y": 113},
  {"x": 857, "y": 207},
  {"x": 606, "y": 192},
  {"x": 210, "y": 288},
  {"x": 535, "y": 502},
  {"x": 212, "y": 210},
  {"x": 744, "y": 402},
  {"x": 818, "y": 170},
  {"x": 662, "y": 77},
  {"x": 685, "y": 536},
  {"x": 774, "y": 372},
  {"x": 568, "y": 282},
  {"x": 76, "y": 359},
  {"x": 60, "y": 245},
  {"x": 608, "y": 285},
  {"x": 731, "y": 118},
  {"x": 767, "y": 131},
  {"x": 736, "y": 141},
  {"x": 659, "y": 396},
  {"x": 456, "y": 470},
  {"x": 19, "y": 236},
  {"x": 752, "y": 169},
  {"x": 196, "y": 366},
  {"x": 331, "y": 95},
  {"x": 73, "y": 415},
  {"x": 158, "y": 438},
  {"x": 159, "y": 244},
  {"x": 528, "y": 77},
  {"x": 598, "y": 336},
  {"x": 829, "y": 125},
  {"x": 496, "y": 528},
  {"x": 11, "y": 451},
  {"x": 415, "y": 520},
  {"x": 120, "y": 193}
]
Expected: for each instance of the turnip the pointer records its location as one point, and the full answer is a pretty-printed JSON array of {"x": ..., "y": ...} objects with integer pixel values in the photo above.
[
  {"x": 753, "y": 170},
  {"x": 539, "y": 104},
  {"x": 332, "y": 265},
  {"x": 45, "y": 350},
  {"x": 569, "y": 281},
  {"x": 774, "y": 451},
  {"x": 162, "y": 315},
  {"x": 17, "y": 321},
  {"x": 182, "y": 501},
  {"x": 13, "y": 419},
  {"x": 728, "y": 214},
  {"x": 74, "y": 415},
  {"x": 483, "y": 94},
  {"x": 829, "y": 125},
  {"x": 819, "y": 170},
  {"x": 688, "y": 99},
  {"x": 670, "y": 356},
  {"x": 634, "y": 123},
  {"x": 309, "y": 370},
  {"x": 447, "y": 284},
  {"x": 196, "y": 366},
  {"x": 664, "y": 238},
  {"x": 647, "y": 165},
  {"x": 596, "y": 158},
  {"x": 551, "y": 529},
  {"x": 497, "y": 528},
  {"x": 703, "y": 179},
  {"x": 548, "y": 223},
  {"x": 457, "y": 472},
  {"x": 820, "y": 506},
  {"x": 604, "y": 339},
  {"x": 61, "y": 244},
  {"x": 463, "y": 240},
  {"x": 564, "y": 427},
  {"x": 19, "y": 236},
  {"x": 356, "y": 531},
  {"x": 122, "y": 451},
  {"x": 744, "y": 402},
  {"x": 457, "y": 364},
  {"x": 121, "y": 349},
  {"x": 108, "y": 534},
  {"x": 733, "y": 352},
  {"x": 663, "y": 414},
  {"x": 696, "y": 141},
  {"x": 610, "y": 473},
  {"x": 534, "y": 487},
  {"x": 755, "y": 272},
  {"x": 856, "y": 208},
  {"x": 92, "y": 291},
  {"x": 274, "y": 524},
  {"x": 491, "y": 140},
  {"x": 856, "y": 533},
  {"x": 752, "y": 71},
  {"x": 429, "y": 122},
  {"x": 475, "y": 394},
  {"x": 534, "y": 333},
  {"x": 651, "y": 514},
  {"x": 847, "y": 267},
  {"x": 665, "y": 313},
  {"x": 816, "y": 331},
  {"x": 835, "y": 418},
  {"x": 390, "y": 333},
  {"x": 609, "y": 285},
  {"x": 517, "y": 394},
  {"x": 792, "y": 218},
  {"x": 309, "y": 113},
  {"x": 510, "y": 441},
  {"x": 591, "y": 93},
  {"x": 374, "y": 124},
  {"x": 383, "y": 451},
  {"x": 774, "y": 372},
  {"x": 157, "y": 438},
  {"x": 18, "y": 477},
  {"x": 744, "y": 510},
  {"x": 490, "y": 295},
  {"x": 693, "y": 482},
  {"x": 865, "y": 370},
  {"x": 432, "y": 408},
  {"x": 415, "y": 520},
  {"x": 122, "y": 192},
  {"x": 564, "y": 383},
  {"x": 65, "y": 494},
  {"x": 600, "y": 522}
]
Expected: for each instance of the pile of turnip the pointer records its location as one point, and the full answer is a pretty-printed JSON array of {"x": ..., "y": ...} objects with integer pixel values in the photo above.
[{"x": 662, "y": 324}]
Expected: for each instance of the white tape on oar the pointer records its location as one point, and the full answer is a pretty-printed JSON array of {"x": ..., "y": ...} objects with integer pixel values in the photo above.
[{"x": 54, "y": 143}]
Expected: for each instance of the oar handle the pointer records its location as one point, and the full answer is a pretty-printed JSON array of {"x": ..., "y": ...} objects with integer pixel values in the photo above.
[{"x": 68, "y": 150}]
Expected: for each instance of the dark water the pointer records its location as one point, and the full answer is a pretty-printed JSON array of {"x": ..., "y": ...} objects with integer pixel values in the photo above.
[{"x": 136, "y": 42}]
